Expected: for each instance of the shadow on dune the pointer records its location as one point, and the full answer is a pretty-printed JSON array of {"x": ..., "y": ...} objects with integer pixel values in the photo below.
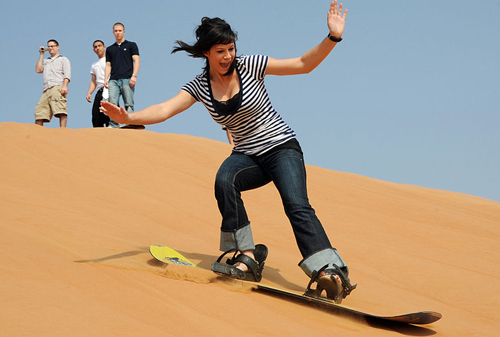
[{"x": 115, "y": 256}]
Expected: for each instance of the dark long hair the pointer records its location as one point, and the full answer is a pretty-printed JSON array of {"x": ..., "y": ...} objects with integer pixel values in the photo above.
[{"x": 209, "y": 33}]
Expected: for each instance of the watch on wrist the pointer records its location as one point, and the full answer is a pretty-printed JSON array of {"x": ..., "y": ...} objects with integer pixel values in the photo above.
[{"x": 333, "y": 38}]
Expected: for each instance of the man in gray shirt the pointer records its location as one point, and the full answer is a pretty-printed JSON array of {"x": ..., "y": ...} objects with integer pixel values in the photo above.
[{"x": 56, "y": 76}]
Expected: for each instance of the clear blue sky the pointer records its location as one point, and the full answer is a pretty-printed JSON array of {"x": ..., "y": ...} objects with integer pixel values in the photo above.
[{"x": 410, "y": 96}]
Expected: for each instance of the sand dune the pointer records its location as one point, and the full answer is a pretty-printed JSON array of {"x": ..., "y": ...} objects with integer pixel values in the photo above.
[{"x": 79, "y": 208}]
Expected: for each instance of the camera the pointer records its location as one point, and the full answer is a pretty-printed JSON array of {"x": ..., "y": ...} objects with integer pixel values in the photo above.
[{"x": 43, "y": 49}]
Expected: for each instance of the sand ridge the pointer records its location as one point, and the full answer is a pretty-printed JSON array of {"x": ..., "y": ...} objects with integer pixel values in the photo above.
[{"x": 79, "y": 209}]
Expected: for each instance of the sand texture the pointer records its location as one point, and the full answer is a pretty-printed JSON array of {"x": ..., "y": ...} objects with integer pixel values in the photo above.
[{"x": 79, "y": 209}]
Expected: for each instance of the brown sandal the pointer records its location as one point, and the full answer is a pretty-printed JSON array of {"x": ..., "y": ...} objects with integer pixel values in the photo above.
[
  {"x": 255, "y": 267},
  {"x": 327, "y": 281}
]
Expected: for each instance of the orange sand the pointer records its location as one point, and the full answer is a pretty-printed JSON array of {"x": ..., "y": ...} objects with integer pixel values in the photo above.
[{"x": 79, "y": 208}]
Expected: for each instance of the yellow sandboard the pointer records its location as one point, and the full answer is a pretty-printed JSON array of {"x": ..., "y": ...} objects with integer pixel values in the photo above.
[{"x": 168, "y": 255}]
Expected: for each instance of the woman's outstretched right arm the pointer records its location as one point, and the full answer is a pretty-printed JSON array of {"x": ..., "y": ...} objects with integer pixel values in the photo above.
[{"x": 150, "y": 115}]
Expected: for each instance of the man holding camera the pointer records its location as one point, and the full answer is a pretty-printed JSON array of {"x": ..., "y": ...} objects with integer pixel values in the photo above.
[{"x": 56, "y": 76}]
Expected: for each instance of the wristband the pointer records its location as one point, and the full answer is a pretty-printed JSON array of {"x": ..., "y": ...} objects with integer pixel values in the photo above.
[{"x": 333, "y": 38}]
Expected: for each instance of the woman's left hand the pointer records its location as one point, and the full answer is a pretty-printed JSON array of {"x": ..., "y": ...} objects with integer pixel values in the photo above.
[{"x": 336, "y": 19}]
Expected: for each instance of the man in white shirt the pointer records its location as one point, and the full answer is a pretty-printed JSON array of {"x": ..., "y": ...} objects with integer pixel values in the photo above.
[{"x": 97, "y": 82}]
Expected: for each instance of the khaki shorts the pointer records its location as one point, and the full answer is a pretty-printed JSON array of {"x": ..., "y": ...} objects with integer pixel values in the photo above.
[{"x": 52, "y": 103}]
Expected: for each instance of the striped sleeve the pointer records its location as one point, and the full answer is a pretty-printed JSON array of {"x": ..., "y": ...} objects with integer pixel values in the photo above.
[
  {"x": 256, "y": 65},
  {"x": 195, "y": 88}
]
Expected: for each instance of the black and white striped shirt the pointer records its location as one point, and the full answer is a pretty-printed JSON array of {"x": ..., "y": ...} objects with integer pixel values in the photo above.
[{"x": 255, "y": 126}]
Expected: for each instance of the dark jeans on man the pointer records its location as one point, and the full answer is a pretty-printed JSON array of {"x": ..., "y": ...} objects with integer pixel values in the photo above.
[{"x": 98, "y": 118}]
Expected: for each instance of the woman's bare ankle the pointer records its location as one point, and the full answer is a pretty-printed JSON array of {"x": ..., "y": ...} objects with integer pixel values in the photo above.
[{"x": 242, "y": 266}]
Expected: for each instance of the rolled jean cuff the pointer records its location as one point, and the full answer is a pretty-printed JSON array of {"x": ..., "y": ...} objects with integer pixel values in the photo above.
[
  {"x": 318, "y": 260},
  {"x": 240, "y": 239}
]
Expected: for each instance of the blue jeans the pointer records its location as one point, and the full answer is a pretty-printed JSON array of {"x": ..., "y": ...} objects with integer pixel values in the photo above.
[
  {"x": 121, "y": 87},
  {"x": 286, "y": 169}
]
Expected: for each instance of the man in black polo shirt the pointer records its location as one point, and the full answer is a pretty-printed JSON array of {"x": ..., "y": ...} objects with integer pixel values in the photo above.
[{"x": 122, "y": 67}]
